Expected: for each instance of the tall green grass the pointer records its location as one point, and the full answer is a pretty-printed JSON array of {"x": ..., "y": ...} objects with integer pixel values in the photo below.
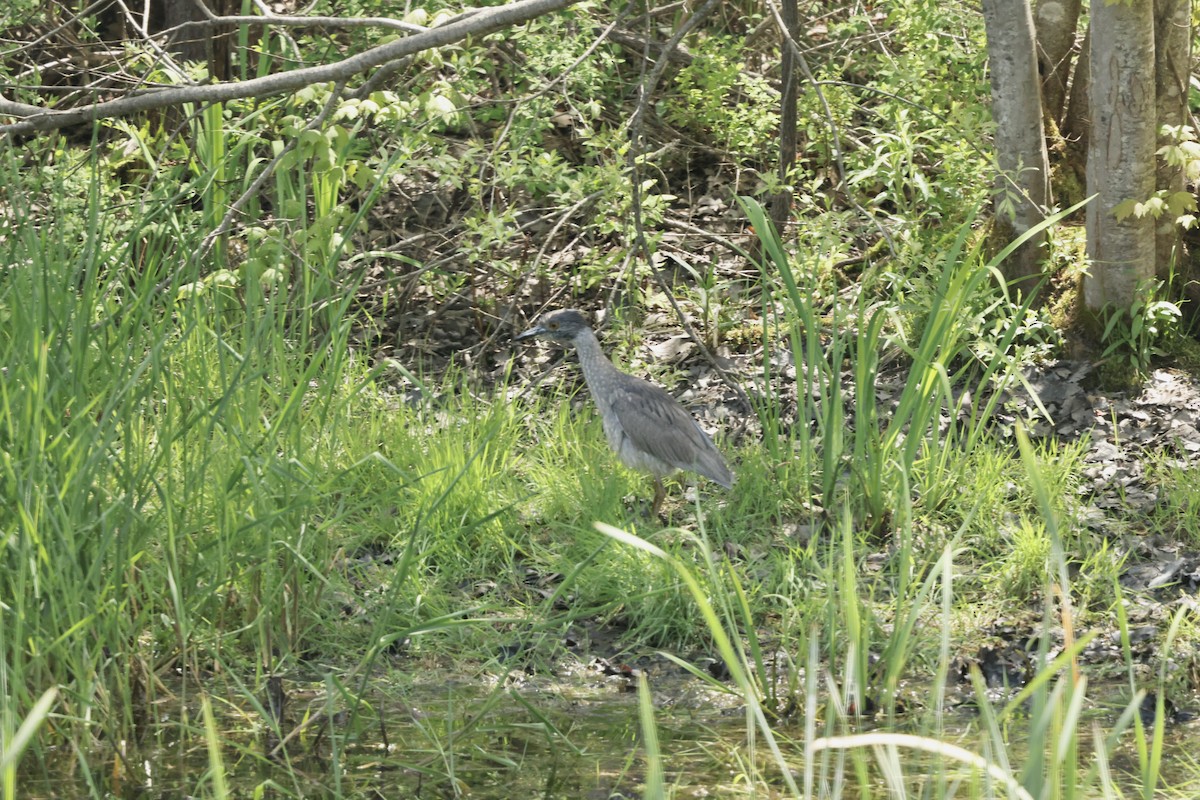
[
  {"x": 1037, "y": 744},
  {"x": 191, "y": 462},
  {"x": 867, "y": 456},
  {"x": 200, "y": 480}
]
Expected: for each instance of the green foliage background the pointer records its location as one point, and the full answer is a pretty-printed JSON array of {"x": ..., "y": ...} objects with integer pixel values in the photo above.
[{"x": 298, "y": 446}]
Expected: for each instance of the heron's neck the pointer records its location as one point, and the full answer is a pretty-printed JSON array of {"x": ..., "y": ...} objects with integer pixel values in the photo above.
[{"x": 592, "y": 359}]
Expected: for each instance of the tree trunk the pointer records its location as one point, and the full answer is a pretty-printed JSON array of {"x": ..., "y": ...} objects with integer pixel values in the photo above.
[
  {"x": 1022, "y": 185},
  {"x": 189, "y": 44},
  {"x": 1172, "y": 60},
  {"x": 1056, "y": 23},
  {"x": 1078, "y": 118},
  {"x": 1121, "y": 143},
  {"x": 220, "y": 59},
  {"x": 781, "y": 205}
]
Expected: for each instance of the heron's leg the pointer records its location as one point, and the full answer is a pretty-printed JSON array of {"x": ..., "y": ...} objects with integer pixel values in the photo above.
[{"x": 660, "y": 494}]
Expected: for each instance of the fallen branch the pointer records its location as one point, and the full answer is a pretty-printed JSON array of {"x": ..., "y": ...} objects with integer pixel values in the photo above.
[{"x": 477, "y": 23}]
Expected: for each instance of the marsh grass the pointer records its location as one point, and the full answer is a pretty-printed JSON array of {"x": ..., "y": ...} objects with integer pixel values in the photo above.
[
  {"x": 189, "y": 471},
  {"x": 201, "y": 480},
  {"x": 1058, "y": 754}
]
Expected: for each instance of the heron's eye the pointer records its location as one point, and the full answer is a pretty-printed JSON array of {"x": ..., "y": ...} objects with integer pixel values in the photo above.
[{"x": 553, "y": 326}]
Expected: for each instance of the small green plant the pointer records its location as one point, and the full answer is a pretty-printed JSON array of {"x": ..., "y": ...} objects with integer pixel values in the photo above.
[
  {"x": 721, "y": 103},
  {"x": 1182, "y": 154},
  {"x": 1134, "y": 335},
  {"x": 1025, "y": 558}
]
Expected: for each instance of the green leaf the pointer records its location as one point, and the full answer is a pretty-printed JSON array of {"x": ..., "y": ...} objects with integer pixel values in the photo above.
[
  {"x": 1179, "y": 202},
  {"x": 1125, "y": 209}
]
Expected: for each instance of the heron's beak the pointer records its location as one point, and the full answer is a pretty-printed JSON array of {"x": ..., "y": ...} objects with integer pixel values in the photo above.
[{"x": 536, "y": 330}]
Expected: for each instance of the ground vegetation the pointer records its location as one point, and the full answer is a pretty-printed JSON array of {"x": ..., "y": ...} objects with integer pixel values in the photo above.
[{"x": 285, "y": 510}]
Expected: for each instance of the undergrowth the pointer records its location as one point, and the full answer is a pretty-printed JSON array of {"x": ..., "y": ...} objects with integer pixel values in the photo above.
[{"x": 224, "y": 458}]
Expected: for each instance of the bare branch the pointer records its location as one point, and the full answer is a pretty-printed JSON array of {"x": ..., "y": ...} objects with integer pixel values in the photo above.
[
  {"x": 478, "y": 23},
  {"x": 640, "y": 44}
]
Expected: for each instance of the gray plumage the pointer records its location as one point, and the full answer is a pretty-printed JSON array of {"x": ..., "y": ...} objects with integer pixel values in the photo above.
[{"x": 645, "y": 426}]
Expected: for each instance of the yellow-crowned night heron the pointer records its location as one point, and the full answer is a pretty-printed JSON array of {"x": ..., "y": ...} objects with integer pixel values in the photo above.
[{"x": 646, "y": 427}]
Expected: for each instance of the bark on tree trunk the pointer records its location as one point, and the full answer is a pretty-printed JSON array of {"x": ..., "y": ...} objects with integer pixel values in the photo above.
[
  {"x": 1022, "y": 185},
  {"x": 1172, "y": 51},
  {"x": 1078, "y": 117},
  {"x": 220, "y": 59},
  {"x": 188, "y": 45},
  {"x": 1056, "y": 22},
  {"x": 1121, "y": 143},
  {"x": 781, "y": 204}
]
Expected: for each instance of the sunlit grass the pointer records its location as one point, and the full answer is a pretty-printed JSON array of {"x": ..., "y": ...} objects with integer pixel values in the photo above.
[{"x": 212, "y": 486}]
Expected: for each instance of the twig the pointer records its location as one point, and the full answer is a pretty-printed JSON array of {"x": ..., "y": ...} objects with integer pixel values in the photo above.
[{"x": 212, "y": 20}]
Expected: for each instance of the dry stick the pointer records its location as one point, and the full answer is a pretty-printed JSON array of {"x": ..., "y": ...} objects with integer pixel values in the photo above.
[
  {"x": 212, "y": 20},
  {"x": 646, "y": 91},
  {"x": 35, "y": 118}
]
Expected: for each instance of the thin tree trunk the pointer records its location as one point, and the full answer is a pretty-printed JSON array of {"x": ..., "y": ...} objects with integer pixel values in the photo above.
[
  {"x": 1078, "y": 118},
  {"x": 1022, "y": 185},
  {"x": 1121, "y": 143},
  {"x": 220, "y": 57},
  {"x": 188, "y": 46},
  {"x": 1172, "y": 49},
  {"x": 781, "y": 205},
  {"x": 1056, "y": 21}
]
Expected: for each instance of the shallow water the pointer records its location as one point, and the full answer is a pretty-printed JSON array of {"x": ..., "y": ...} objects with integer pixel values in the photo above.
[
  {"x": 488, "y": 737},
  {"x": 443, "y": 739}
]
